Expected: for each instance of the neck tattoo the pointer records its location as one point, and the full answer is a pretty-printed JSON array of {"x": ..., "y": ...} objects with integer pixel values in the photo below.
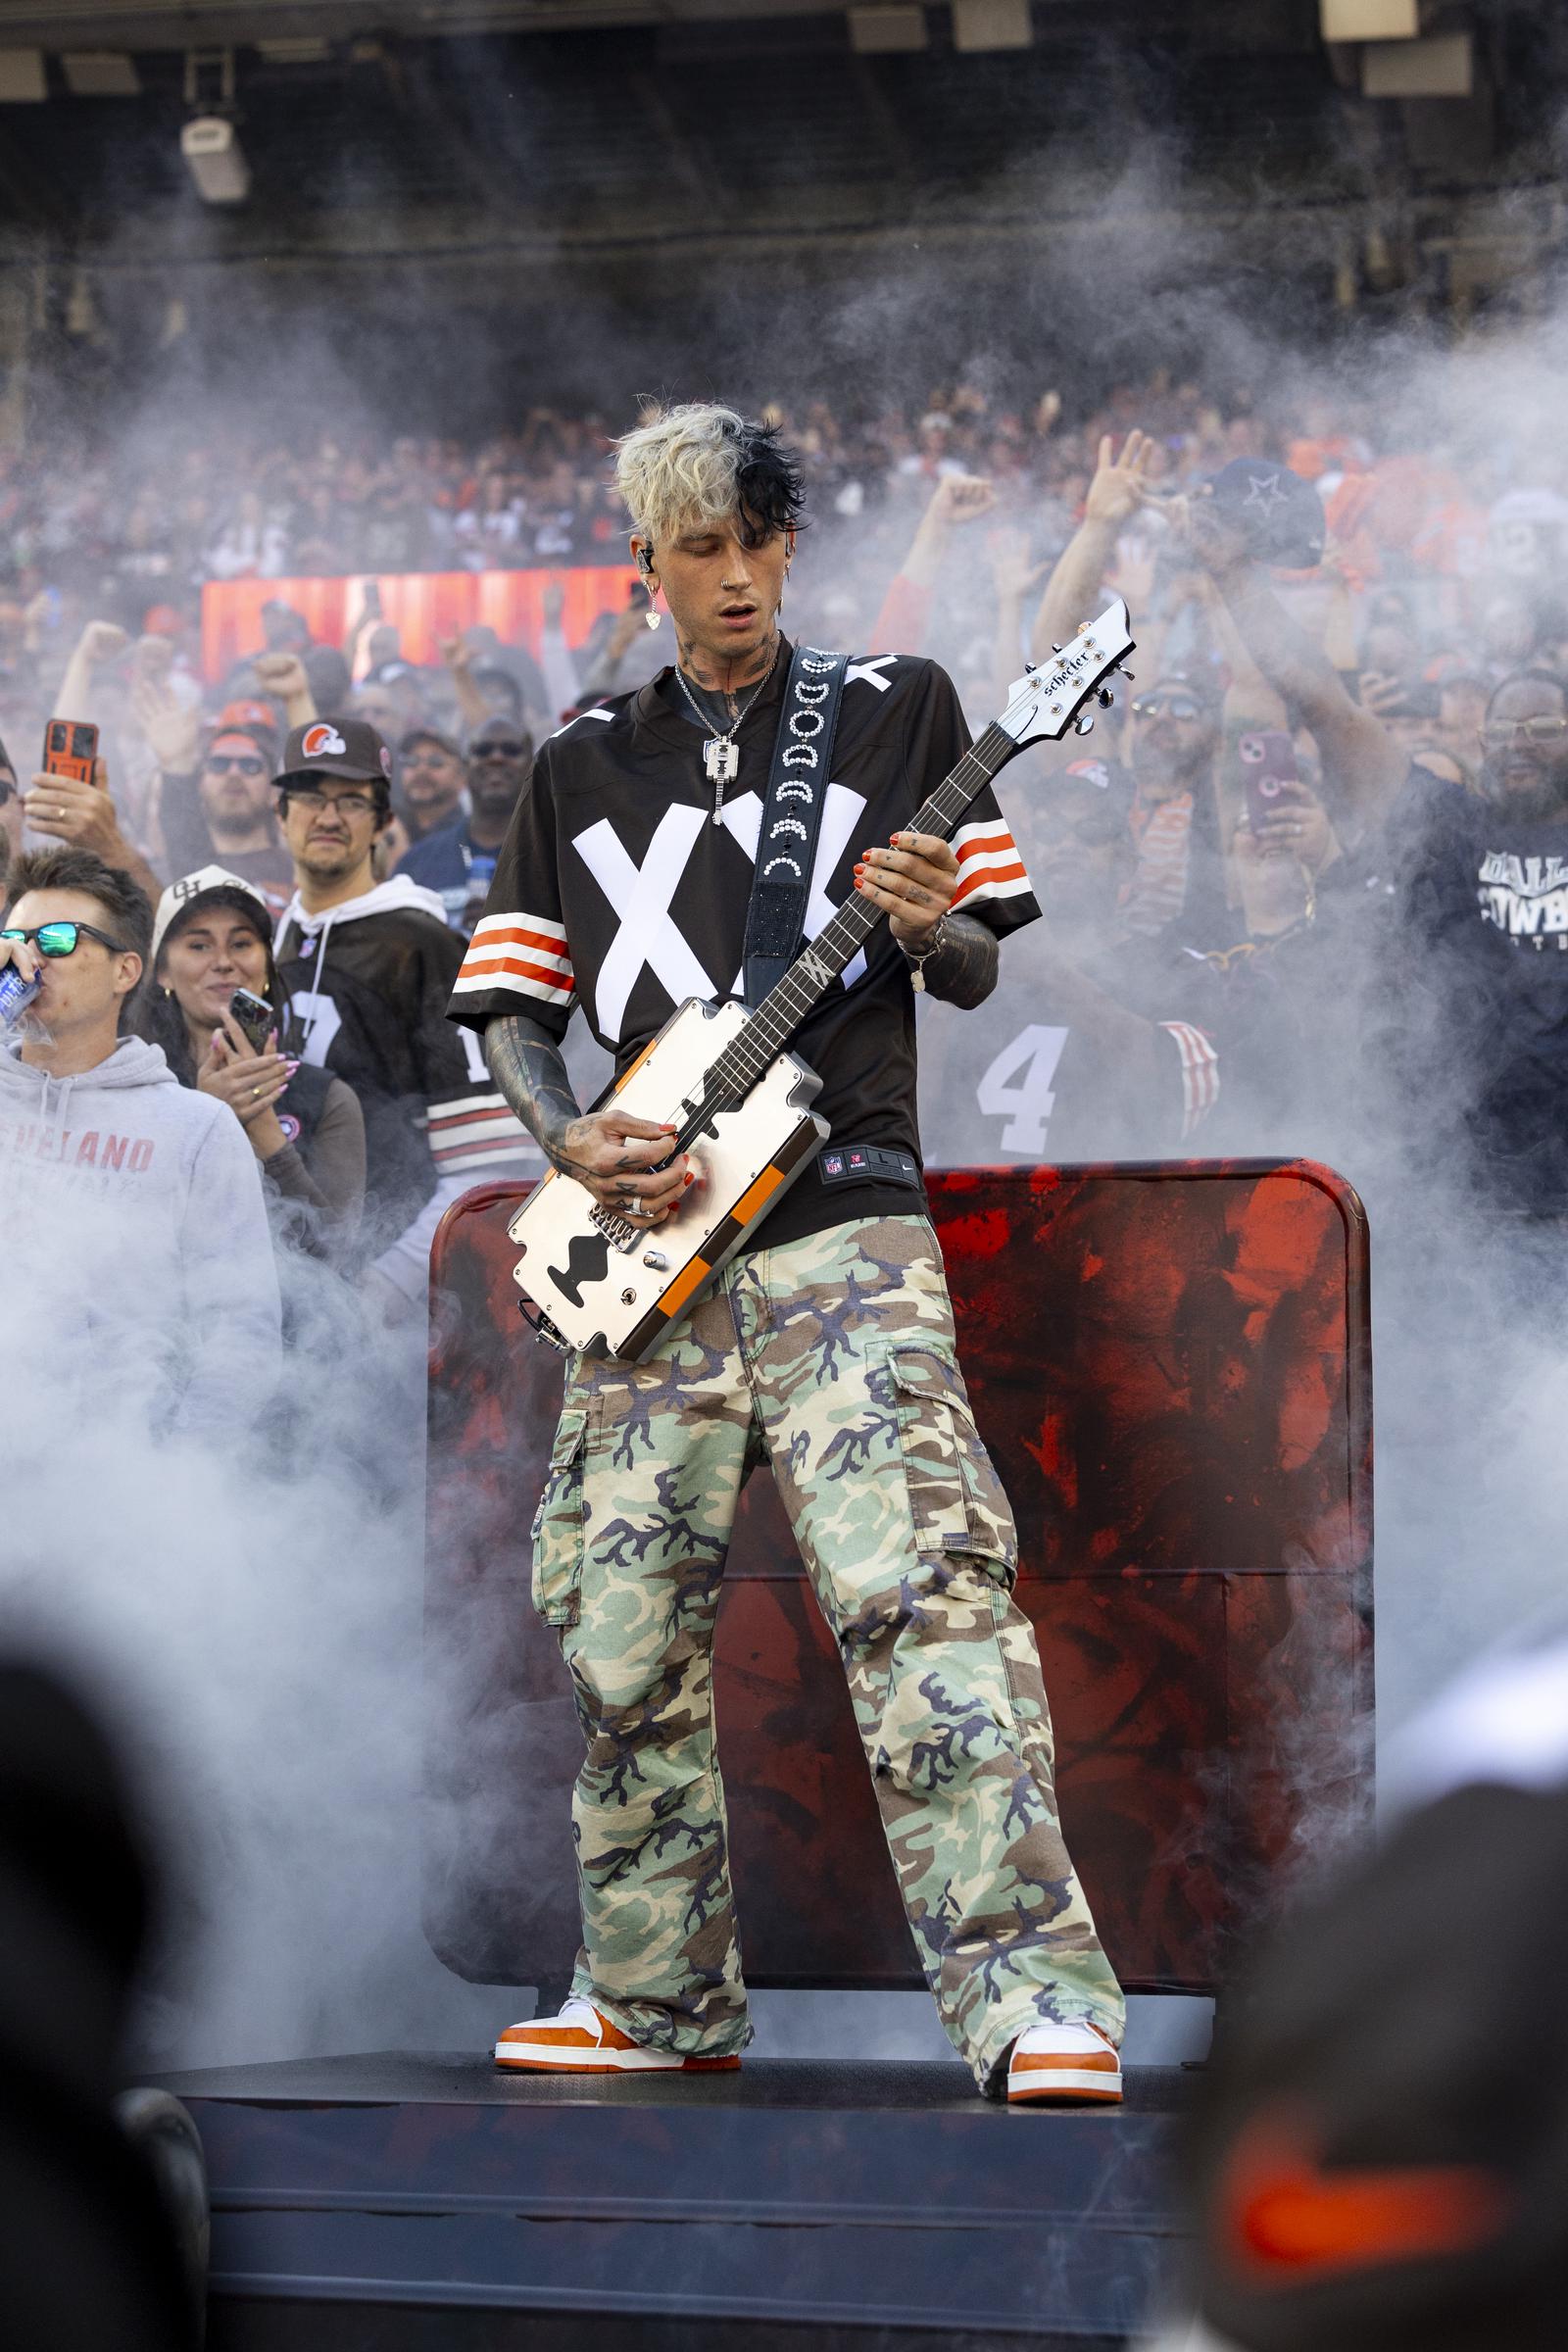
[{"x": 721, "y": 753}]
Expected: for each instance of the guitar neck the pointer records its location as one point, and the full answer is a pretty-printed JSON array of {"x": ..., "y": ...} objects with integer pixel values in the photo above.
[{"x": 813, "y": 971}]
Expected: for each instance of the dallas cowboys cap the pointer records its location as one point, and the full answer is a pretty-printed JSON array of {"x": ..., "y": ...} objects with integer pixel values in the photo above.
[
  {"x": 213, "y": 884},
  {"x": 349, "y": 748},
  {"x": 1280, "y": 516}
]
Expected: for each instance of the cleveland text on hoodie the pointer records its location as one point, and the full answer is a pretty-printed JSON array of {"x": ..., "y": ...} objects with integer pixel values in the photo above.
[{"x": 138, "y": 1253}]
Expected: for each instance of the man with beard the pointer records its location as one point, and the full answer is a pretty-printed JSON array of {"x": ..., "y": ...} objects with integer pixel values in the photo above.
[
  {"x": 459, "y": 862},
  {"x": 368, "y": 967},
  {"x": 430, "y": 782},
  {"x": 1475, "y": 993}
]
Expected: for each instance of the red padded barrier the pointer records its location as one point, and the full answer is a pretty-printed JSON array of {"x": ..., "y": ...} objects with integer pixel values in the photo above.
[{"x": 1170, "y": 1364}]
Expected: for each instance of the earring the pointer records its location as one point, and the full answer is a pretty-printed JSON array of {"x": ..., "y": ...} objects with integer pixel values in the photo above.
[{"x": 653, "y": 615}]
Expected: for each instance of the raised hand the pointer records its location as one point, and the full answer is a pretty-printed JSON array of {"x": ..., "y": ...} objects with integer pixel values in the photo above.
[{"x": 1122, "y": 482}]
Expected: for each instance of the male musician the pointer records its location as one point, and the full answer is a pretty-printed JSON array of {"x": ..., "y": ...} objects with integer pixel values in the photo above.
[{"x": 825, "y": 1349}]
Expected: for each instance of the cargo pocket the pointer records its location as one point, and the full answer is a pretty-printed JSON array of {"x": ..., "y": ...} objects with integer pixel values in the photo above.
[
  {"x": 956, "y": 1496},
  {"x": 558, "y": 1525}
]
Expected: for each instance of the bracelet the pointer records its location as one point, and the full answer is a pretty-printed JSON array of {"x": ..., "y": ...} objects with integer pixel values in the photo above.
[
  {"x": 937, "y": 940},
  {"x": 933, "y": 947}
]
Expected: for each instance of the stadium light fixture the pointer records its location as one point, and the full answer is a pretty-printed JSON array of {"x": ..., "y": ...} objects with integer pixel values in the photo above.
[
  {"x": 23, "y": 78},
  {"x": 216, "y": 160},
  {"x": 1370, "y": 20},
  {"x": 979, "y": 24},
  {"x": 209, "y": 142},
  {"x": 1440, "y": 66},
  {"x": 886, "y": 31},
  {"x": 100, "y": 74}
]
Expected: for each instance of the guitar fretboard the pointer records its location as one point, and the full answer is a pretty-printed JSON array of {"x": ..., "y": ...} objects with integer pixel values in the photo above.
[{"x": 782, "y": 1010}]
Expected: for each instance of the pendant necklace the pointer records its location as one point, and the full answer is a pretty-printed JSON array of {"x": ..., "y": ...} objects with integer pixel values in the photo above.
[{"x": 721, "y": 753}]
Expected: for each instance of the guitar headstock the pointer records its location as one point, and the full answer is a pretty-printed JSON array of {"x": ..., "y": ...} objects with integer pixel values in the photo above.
[{"x": 1045, "y": 700}]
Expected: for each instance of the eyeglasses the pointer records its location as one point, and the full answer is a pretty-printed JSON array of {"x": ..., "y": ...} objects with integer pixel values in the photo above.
[
  {"x": 1173, "y": 706},
  {"x": 236, "y": 764},
  {"x": 63, "y": 939},
  {"x": 352, "y": 804},
  {"x": 1501, "y": 734},
  {"x": 497, "y": 749}
]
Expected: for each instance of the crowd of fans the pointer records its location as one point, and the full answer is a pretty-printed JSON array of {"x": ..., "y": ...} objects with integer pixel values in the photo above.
[{"x": 1306, "y": 875}]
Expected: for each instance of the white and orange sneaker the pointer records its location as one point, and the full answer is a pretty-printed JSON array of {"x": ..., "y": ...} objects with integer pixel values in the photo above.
[
  {"x": 579, "y": 2041},
  {"x": 1074, "y": 2064}
]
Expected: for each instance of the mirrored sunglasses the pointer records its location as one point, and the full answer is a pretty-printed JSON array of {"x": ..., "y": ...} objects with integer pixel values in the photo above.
[{"x": 62, "y": 938}]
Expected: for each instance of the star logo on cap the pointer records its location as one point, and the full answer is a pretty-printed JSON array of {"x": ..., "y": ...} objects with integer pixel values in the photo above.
[
  {"x": 321, "y": 741},
  {"x": 1264, "y": 493}
]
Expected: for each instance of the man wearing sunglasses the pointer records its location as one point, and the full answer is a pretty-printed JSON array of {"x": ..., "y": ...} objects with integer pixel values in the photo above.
[
  {"x": 225, "y": 813},
  {"x": 1476, "y": 993},
  {"x": 458, "y": 861},
  {"x": 431, "y": 781},
  {"x": 136, "y": 1235},
  {"x": 368, "y": 967}
]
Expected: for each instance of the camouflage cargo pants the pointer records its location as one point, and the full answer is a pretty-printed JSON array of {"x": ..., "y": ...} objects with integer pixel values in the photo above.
[{"x": 832, "y": 1357}]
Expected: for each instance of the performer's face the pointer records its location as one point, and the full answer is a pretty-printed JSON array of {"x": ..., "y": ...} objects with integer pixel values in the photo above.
[{"x": 722, "y": 582}]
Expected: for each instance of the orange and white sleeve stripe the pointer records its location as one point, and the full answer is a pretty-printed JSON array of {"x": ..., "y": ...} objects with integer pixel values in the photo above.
[
  {"x": 518, "y": 954},
  {"x": 1199, "y": 1073},
  {"x": 990, "y": 863},
  {"x": 474, "y": 1134}
]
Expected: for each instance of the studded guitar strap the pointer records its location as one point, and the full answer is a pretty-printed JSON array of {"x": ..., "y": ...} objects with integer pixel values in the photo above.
[{"x": 792, "y": 817}]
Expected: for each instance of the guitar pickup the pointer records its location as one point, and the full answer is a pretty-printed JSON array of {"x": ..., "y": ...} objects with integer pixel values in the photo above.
[{"x": 619, "y": 1232}]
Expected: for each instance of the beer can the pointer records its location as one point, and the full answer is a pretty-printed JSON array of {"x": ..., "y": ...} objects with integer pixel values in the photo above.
[{"x": 16, "y": 994}]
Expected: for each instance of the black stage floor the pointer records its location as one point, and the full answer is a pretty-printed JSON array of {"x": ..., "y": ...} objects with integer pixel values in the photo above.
[{"x": 411, "y": 2203}]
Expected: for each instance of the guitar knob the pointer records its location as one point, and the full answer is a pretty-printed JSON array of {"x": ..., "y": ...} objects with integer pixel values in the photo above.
[
  {"x": 656, "y": 1259},
  {"x": 1085, "y": 725}
]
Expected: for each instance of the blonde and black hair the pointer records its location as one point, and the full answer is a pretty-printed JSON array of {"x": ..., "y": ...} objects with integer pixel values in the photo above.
[{"x": 700, "y": 463}]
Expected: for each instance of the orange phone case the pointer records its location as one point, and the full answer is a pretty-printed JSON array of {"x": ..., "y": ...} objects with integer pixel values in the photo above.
[{"x": 70, "y": 749}]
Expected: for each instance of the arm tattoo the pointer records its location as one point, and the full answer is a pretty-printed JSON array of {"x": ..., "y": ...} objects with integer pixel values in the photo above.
[
  {"x": 524, "y": 1060},
  {"x": 963, "y": 969}
]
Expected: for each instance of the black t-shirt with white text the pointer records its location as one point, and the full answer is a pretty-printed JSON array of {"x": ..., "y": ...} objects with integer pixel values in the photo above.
[
  {"x": 1483, "y": 906},
  {"x": 617, "y": 889}
]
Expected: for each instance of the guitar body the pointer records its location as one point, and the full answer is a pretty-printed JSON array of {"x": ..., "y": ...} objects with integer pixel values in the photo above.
[{"x": 612, "y": 1288}]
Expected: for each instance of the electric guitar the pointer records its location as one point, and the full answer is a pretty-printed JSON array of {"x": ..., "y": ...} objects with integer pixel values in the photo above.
[{"x": 741, "y": 1102}]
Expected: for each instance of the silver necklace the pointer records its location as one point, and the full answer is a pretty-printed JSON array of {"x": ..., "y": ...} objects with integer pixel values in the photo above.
[{"x": 721, "y": 753}]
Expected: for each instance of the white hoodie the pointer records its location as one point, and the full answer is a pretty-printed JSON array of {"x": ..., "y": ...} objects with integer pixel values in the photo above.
[{"x": 136, "y": 1243}]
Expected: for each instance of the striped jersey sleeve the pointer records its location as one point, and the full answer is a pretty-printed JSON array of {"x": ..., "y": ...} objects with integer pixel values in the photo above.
[
  {"x": 477, "y": 1136},
  {"x": 991, "y": 865},
  {"x": 518, "y": 954},
  {"x": 518, "y": 959}
]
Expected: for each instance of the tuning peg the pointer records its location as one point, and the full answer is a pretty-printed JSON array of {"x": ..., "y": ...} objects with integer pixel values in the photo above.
[
  {"x": 1128, "y": 676},
  {"x": 1055, "y": 649},
  {"x": 1106, "y": 698},
  {"x": 1083, "y": 725}
]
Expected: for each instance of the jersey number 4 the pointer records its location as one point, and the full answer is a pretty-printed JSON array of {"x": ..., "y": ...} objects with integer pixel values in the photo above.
[{"x": 1018, "y": 1086}]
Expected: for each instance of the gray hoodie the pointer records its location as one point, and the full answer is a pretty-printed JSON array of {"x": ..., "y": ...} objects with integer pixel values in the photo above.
[{"x": 136, "y": 1244}]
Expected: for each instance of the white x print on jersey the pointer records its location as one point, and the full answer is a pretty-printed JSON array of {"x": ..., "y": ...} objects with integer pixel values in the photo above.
[{"x": 642, "y": 897}]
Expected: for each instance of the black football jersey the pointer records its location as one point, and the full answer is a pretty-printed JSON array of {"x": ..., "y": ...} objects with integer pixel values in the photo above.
[
  {"x": 372, "y": 1009},
  {"x": 618, "y": 887}
]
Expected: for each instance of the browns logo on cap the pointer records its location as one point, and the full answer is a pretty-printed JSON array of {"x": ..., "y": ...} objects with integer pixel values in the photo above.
[{"x": 349, "y": 748}]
